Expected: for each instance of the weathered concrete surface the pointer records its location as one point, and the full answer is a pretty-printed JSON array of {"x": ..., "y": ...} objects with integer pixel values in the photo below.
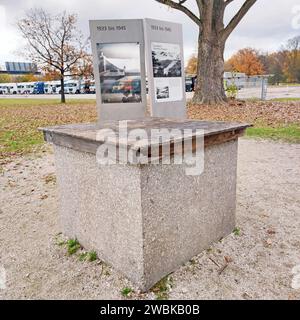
[
  {"x": 101, "y": 207},
  {"x": 146, "y": 220},
  {"x": 182, "y": 215}
]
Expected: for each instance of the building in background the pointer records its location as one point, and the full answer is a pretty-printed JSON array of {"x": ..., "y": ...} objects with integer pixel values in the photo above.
[{"x": 19, "y": 68}]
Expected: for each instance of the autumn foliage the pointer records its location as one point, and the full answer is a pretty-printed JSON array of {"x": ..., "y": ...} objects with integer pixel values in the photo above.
[
  {"x": 191, "y": 67},
  {"x": 281, "y": 66},
  {"x": 53, "y": 42},
  {"x": 246, "y": 61}
]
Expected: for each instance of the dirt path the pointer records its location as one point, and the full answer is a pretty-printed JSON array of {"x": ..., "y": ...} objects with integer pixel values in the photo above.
[{"x": 255, "y": 264}]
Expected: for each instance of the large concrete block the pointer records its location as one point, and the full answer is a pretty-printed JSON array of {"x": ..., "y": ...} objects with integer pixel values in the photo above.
[{"x": 145, "y": 220}]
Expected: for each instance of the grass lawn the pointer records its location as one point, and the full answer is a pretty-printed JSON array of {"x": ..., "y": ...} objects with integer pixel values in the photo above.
[
  {"x": 20, "y": 118},
  {"x": 289, "y": 133},
  {"x": 285, "y": 99},
  {"x": 288, "y": 85},
  {"x": 11, "y": 102},
  {"x": 276, "y": 120}
]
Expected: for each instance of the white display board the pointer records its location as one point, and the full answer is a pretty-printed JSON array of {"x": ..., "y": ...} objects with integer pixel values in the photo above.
[
  {"x": 118, "y": 49},
  {"x": 165, "y": 68}
]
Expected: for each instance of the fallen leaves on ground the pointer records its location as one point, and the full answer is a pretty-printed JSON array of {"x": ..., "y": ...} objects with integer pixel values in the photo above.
[
  {"x": 268, "y": 113},
  {"x": 19, "y": 122}
]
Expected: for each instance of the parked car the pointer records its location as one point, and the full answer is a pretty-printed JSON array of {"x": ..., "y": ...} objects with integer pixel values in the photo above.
[
  {"x": 127, "y": 89},
  {"x": 190, "y": 83}
]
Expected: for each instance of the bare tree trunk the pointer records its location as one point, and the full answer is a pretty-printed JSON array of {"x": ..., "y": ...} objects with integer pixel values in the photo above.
[
  {"x": 210, "y": 87},
  {"x": 62, "y": 89}
]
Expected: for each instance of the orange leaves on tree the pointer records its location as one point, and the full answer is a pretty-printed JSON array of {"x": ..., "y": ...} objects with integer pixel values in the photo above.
[
  {"x": 192, "y": 64},
  {"x": 246, "y": 61}
]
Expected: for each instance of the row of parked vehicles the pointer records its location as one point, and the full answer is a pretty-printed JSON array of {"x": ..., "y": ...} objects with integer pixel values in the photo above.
[
  {"x": 49, "y": 87},
  {"x": 71, "y": 87}
]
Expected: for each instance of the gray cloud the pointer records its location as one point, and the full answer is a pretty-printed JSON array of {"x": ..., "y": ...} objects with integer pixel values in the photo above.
[{"x": 266, "y": 27}]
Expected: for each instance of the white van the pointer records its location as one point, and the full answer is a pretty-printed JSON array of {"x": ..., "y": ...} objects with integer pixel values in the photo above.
[
  {"x": 25, "y": 87},
  {"x": 71, "y": 86},
  {"x": 3, "y": 88},
  {"x": 11, "y": 88},
  {"x": 51, "y": 87}
]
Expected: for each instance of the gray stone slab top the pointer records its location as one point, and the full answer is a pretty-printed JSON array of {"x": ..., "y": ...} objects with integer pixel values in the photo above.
[{"x": 87, "y": 137}]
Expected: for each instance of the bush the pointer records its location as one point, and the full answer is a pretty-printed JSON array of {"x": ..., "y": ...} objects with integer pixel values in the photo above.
[{"x": 231, "y": 90}]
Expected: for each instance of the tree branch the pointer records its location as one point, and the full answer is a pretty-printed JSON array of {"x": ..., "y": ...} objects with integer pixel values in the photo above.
[
  {"x": 237, "y": 18},
  {"x": 228, "y": 1},
  {"x": 53, "y": 40},
  {"x": 180, "y": 7}
]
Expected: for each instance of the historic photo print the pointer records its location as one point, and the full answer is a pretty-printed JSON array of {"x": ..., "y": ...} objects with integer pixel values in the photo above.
[
  {"x": 162, "y": 92},
  {"x": 166, "y": 60},
  {"x": 167, "y": 72},
  {"x": 120, "y": 72}
]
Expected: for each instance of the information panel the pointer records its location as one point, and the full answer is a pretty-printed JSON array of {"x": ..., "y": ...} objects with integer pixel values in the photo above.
[
  {"x": 119, "y": 66},
  {"x": 165, "y": 68}
]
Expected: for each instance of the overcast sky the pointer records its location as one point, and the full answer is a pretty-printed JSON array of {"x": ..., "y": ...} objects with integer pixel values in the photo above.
[{"x": 266, "y": 27}]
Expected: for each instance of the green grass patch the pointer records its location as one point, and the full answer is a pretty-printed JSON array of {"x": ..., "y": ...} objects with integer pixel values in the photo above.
[
  {"x": 285, "y": 99},
  {"x": 40, "y": 102},
  {"x": 88, "y": 256},
  {"x": 161, "y": 288},
  {"x": 73, "y": 246},
  {"x": 290, "y": 133},
  {"x": 287, "y": 85},
  {"x": 21, "y": 118},
  {"x": 237, "y": 231},
  {"x": 126, "y": 291},
  {"x": 14, "y": 140}
]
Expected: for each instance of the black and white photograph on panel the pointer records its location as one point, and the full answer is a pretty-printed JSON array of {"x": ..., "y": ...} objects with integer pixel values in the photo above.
[
  {"x": 166, "y": 60},
  {"x": 162, "y": 92},
  {"x": 120, "y": 72},
  {"x": 167, "y": 71}
]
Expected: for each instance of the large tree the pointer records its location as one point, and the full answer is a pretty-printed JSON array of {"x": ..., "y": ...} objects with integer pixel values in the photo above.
[
  {"x": 292, "y": 63},
  {"x": 276, "y": 62},
  {"x": 53, "y": 41},
  {"x": 213, "y": 34},
  {"x": 247, "y": 61}
]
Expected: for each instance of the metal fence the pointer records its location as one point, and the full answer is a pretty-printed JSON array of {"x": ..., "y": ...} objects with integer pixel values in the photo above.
[{"x": 252, "y": 87}]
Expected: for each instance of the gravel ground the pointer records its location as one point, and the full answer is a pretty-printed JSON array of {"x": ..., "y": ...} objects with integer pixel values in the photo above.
[{"x": 253, "y": 263}]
